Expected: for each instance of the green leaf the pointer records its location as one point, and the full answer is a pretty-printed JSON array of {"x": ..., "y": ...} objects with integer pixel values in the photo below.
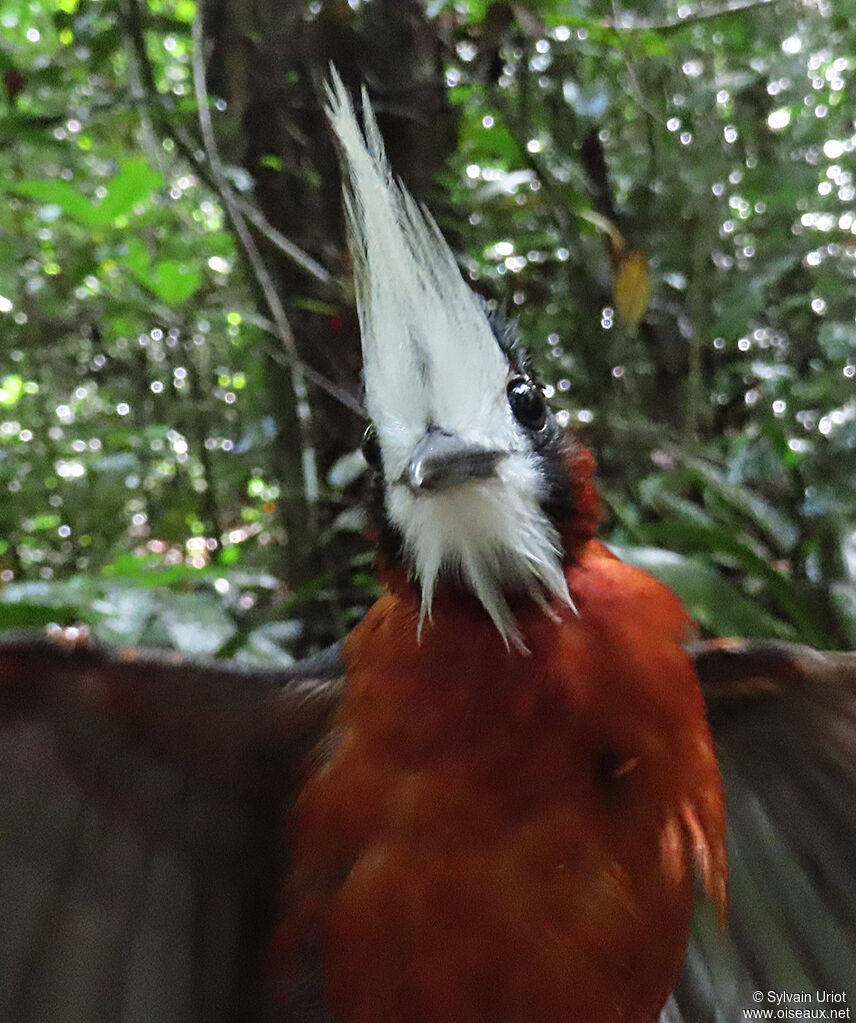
[
  {"x": 737, "y": 308},
  {"x": 137, "y": 258},
  {"x": 220, "y": 243},
  {"x": 134, "y": 183},
  {"x": 494, "y": 143},
  {"x": 10, "y": 259},
  {"x": 654, "y": 45},
  {"x": 173, "y": 282},
  {"x": 194, "y": 623},
  {"x": 36, "y": 604},
  {"x": 42, "y": 522},
  {"x": 185, "y": 10},
  {"x": 838, "y": 340},
  {"x": 844, "y": 601},
  {"x": 125, "y": 610},
  {"x": 230, "y": 555},
  {"x": 315, "y": 305},
  {"x": 26, "y": 615},
  {"x": 715, "y": 541},
  {"x": 63, "y": 195},
  {"x": 268, "y": 643},
  {"x": 149, "y": 570},
  {"x": 11, "y": 389},
  {"x": 170, "y": 281},
  {"x": 475, "y": 9},
  {"x": 777, "y": 528}
]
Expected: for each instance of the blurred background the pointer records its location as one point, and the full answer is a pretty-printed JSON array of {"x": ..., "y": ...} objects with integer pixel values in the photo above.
[{"x": 662, "y": 193}]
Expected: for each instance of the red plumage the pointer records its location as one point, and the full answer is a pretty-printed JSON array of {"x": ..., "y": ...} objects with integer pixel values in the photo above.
[{"x": 508, "y": 836}]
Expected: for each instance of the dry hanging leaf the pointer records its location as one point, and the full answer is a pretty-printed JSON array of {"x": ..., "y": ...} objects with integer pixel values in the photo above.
[{"x": 631, "y": 286}]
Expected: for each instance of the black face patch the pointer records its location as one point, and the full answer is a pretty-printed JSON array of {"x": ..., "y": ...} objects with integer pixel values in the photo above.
[
  {"x": 552, "y": 445},
  {"x": 506, "y": 330},
  {"x": 550, "y": 442}
]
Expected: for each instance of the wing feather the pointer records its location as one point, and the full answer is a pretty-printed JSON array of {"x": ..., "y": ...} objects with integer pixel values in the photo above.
[
  {"x": 141, "y": 837},
  {"x": 784, "y": 720}
]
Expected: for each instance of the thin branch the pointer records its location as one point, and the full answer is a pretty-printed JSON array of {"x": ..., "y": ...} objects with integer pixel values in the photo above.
[
  {"x": 202, "y": 164},
  {"x": 279, "y": 241},
  {"x": 257, "y": 264},
  {"x": 635, "y": 92},
  {"x": 630, "y": 23},
  {"x": 202, "y": 167},
  {"x": 555, "y": 198},
  {"x": 339, "y": 393},
  {"x": 138, "y": 41},
  {"x": 287, "y": 247},
  {"x": 235, "y": 215}
]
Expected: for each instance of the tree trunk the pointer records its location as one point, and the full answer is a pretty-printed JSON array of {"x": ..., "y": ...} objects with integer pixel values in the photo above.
[{"x": 268, "y": 61}]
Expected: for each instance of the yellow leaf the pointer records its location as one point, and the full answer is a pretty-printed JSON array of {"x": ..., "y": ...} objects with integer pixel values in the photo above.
[{"x": 631, "y": 286}]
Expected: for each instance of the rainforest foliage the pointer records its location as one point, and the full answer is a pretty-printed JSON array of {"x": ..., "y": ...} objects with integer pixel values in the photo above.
[{"x": 662, "y": 193}]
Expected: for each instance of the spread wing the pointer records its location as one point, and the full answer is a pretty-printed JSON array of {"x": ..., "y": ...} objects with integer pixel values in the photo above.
[
  {"x": 142, "y": 800},
  {"x": 141, "y": 807},
  {"x": 784, "y": 720}
]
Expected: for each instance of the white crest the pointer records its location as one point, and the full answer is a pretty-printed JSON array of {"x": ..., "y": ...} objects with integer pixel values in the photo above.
[{"x": 431, "y": 358}]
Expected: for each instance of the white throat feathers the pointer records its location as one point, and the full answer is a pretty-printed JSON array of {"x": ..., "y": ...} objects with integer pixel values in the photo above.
[{"x": 432, "y": 363}]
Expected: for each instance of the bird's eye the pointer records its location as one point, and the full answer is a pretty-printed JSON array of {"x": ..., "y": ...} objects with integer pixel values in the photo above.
[
  {"x": 371, "y": 447},
  {"x": 527, "y": 403}
]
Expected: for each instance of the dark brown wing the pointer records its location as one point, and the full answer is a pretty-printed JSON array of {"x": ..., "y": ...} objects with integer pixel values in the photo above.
[
  {"x": 784, "y": 720},
  {"x": 142, "y": 799}
]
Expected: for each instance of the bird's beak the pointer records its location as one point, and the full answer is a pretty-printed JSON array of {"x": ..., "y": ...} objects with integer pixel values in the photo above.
[{"x": 442, "y": 460}]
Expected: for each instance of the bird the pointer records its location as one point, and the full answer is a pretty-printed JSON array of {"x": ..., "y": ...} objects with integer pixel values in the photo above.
[
  {"x": 496, "y": 800},
  {"x": 522, "y": 784}
]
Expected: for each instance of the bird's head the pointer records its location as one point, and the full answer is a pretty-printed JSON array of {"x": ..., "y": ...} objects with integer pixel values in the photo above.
[{"x": 475, "y": 477}]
